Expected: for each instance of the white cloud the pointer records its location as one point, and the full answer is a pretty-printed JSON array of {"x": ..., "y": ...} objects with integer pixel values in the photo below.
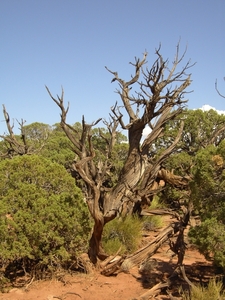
[
  {"x": 146, "y": 131},
  {"x": 207, "y": 107}
]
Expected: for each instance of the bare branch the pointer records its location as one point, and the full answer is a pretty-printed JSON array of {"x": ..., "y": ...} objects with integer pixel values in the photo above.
[
  {"x": 66, "y": 127},
  {"x": 13, "y": 144},
  {"x": 7, "y": 120},
  {"x": 221, "y": 95},
  {"x": 112, "y": 127}
]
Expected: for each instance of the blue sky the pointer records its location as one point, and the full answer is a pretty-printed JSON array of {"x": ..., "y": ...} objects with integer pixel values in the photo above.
[{"x": 68, "y": 42}]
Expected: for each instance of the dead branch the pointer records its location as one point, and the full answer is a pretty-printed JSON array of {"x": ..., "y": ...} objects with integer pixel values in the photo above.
[
  {"x": 16, "y": 145},
  {"x": 174, "y": 180},
  {"x": 62, "y": 297},
  {"x": 155, "y": 290},
  {"x": 221, "y": 95},
  {"x": 84, "y": 150},
  {"x": 111, "y": 140},
  {"x": 159, "y": 212},
  {"x": 125, "y": 85},
  {"x": 217, "y": 136},
  {"x": 69, "y": 130}
]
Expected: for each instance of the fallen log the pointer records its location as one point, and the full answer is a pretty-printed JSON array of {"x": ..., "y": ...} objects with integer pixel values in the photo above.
[{"x": 155, "y": 290}]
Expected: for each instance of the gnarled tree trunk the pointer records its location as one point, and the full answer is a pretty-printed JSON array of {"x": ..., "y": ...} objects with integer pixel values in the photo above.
[{"x": 158, "y": 100}]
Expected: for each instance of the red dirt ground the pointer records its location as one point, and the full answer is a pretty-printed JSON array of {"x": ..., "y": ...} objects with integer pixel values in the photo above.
[{"x": 121, "y": 287}]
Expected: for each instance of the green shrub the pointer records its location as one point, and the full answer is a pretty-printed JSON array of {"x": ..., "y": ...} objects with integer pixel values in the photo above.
[
  {"x": 209, "y": 237},
  {"x": 214, "y": 291},
  {"x": 125, "y": 233},
  {"x": 43, "y": 216}
]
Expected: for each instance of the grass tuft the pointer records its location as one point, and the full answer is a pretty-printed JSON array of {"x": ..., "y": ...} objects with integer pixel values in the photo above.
[{"x": 214, "y": 291}]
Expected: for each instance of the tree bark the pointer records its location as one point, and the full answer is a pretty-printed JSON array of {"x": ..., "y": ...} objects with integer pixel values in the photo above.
[{"x": 95, "y": 248}]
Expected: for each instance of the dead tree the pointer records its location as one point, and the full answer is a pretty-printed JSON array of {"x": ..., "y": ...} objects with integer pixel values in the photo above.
[
  {"x": 12, "y": 144},
  {"x": 159, "y": 99}
]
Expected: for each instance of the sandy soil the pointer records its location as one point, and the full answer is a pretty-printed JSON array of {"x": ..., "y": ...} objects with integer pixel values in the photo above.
[{"x": 121, "y": 287}]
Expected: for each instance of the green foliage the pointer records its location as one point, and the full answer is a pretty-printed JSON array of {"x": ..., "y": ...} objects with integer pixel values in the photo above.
[
  {"x": 125, "y": 233},
  {"x": 201, "y": 156},
  {"x": 208, "y": 185},
  {"x": 214, "y": 291},
  {"x": 118, "y": 155},
  {"x": 208, "y": 194},
  {"x": 200, "y": 129},
  {"x": 58, "y": 148},
  {"x": 209, "y": 237},
  {"x": 43, "y": 215},
  {"x": 156, "y": 203},
  {"x": 201, "y": 138},
  {"x": 180, "y": 162},
  {"x": 52, "y": 143},
  {"x": 37, "y": 132}
]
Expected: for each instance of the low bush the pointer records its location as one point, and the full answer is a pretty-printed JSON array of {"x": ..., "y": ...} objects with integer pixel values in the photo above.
[{"x": 43, "y": 218}]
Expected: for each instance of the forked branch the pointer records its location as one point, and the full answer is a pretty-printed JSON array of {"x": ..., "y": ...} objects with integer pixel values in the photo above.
[
  {"x": 126, "y": 85},
  {"x": 69, "y": 130}
]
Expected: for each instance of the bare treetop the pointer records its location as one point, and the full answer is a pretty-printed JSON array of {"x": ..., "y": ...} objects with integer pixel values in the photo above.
[{"x": 160, "y": 96}]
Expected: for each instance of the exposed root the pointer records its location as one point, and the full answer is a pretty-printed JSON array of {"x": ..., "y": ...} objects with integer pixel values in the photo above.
[
  {"x": 29, "y": 283},
  {"x": 84, "y": 263},
  {"x": 181, "y": 270}
]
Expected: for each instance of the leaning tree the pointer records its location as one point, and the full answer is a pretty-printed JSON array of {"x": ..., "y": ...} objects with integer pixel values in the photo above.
[{"x": 158, "y": 99}]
